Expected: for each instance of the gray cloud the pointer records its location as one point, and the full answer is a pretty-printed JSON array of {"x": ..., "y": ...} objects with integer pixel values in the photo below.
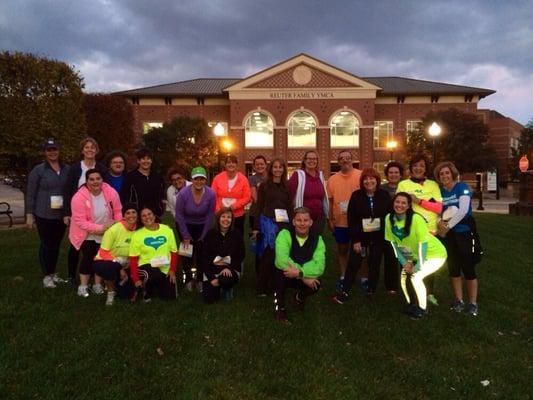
[{"x": 124, "y": 44}]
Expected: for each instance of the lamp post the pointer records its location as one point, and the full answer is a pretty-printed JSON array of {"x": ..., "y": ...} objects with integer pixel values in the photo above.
[
  {"x": 434, "y": 131},
  {"x": 219, "y": 132},
  {"x": 391, "y": 145}
]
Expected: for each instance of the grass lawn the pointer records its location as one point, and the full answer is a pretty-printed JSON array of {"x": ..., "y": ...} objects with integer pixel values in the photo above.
[{"x": 55, "y": 345}]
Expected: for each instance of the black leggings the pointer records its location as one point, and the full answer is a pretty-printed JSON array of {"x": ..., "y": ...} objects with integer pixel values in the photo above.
[
  {"x": 88, "y": 250},
  {"x": 51, "y": 233},
  {"x": 156, "y": 281},
  {"x": 195, "y": 230},
  {"x": 110, "y": 271},
  {"x": 211, "y": 293},
  {"x": 281, "y": 284},
  {"x": 375, "y": 254},
  {"x": 460, "y": 258}
]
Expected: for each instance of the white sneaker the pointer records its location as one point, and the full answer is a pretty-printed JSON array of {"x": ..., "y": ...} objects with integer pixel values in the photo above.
[
  {"x": 98, "y": 288},
  {"x": 83, "y": 291},
  {"x": 48, "y": 282},
  {"x": 57, "y": 279},
  {"x": 110, "y": 298}
]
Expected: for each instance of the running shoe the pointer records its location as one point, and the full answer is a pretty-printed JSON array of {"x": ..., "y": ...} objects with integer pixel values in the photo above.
[
  {"x": 338, "y": 299},
  {"x": 71, "y": 282},
  {"x": 339, "y": 286},
  {"x": 281, "y": 316},
  {"x": 227, "y": 294},
  {"x": 97, "y": 288},
  {"x": 364, "y": 284},
  {"x": 83, "y": 291},
  {"x": 57, "y": 279},
  {"x": 433, "y": 300},
  {"x": 48, "y": 282},
  {"x": 471, "y": 309},
  {"x": 417, "y": 313},
  {"x": 457, "y": 305}
]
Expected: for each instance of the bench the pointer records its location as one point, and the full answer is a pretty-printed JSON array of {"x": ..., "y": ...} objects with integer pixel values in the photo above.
[{"x": 5, "y": 209}]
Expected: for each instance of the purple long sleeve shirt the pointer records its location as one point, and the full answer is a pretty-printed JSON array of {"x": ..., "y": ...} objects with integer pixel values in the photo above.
[{"x": 190, "y": 212}]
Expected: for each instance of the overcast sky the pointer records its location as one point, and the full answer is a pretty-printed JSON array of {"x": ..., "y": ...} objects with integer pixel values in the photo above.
[{"x": 118, "y": 45}]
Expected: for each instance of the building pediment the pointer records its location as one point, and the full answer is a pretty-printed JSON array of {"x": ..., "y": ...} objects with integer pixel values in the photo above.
[{"x": 302, "y": 77}]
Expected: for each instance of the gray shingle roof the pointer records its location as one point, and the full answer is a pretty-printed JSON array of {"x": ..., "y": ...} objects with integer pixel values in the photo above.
[{"x": 391, "y": 86}]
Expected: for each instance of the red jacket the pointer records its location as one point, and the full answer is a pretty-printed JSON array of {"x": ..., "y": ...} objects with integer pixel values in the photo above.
[{"x": 240, "y": 192}]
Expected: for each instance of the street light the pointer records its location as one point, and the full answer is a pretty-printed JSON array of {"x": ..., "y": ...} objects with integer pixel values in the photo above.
[
  {"x": 434, "y": 132},
  {"x": 391, "y": 145},
  {"x": 219, "y": 132}
]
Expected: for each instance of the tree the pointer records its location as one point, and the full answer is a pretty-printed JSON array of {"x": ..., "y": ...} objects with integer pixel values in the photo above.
[
  {"x": 525, "y": 147},
  {"x": 109, "y": 120},
  {"x": 39, "y": 98},
  {"x": 463, "y": 140},
  {"x": 184, "y": 141}
]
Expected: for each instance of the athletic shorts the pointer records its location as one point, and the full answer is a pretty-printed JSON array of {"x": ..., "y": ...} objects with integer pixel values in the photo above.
[{"x": 341, "y": 234}]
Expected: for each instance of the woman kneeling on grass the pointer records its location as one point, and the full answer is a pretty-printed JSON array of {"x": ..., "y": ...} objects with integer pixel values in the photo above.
[
  {"x": 222, "y": 255},
  {"x": 111, "y": 261},
  {"x": 153, "y": 257},
  {"x": 420, "y": 254}
]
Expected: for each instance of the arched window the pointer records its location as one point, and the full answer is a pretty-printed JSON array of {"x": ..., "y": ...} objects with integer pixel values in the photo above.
[
  {"x": 344, "y": 130},
  {"x": 301, "y": 130},
  {"x": 259, "y": 130}
]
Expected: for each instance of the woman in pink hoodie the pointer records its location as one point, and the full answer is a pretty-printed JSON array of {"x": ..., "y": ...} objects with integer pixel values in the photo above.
[
  {"x": 95, "y": 207},
  {"x": 232, "y": 190}
]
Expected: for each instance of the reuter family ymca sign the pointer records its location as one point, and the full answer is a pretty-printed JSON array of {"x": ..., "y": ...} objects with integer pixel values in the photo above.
[{"x": 301, "y": 95}]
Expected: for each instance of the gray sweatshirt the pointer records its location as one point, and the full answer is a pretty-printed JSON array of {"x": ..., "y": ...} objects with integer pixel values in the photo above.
[{"x": 45, "y": 191}]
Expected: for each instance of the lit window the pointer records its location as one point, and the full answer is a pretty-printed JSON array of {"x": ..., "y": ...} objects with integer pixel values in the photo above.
[
  {"x": 301, "y": 130},
  {"x": 344, "y": 130},
  {"x": 147, "y": 126},
  {"x": 259, "y": 131},
  {"x": 413, "y": 128},
  {"x": 383, "y": 132}
]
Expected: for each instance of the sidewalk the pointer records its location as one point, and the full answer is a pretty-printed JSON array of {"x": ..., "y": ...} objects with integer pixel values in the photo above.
[{"x": 493, "y": 206}]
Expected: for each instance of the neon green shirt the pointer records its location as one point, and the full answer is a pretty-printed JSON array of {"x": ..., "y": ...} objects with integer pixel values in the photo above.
[
  {"x": 313, "y": 268},
  {"x": 116, "y": 240},
  {"x": 410, "y": 247},
  {"x": 154, "y": 247},
  {"x": 427, "y": 190}
]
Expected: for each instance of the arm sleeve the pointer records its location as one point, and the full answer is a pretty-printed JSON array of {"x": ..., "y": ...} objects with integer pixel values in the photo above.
[
  {"x": 69, "y": 190},
  {"x": 292, "y": 184},
  {"x": 354, "y": 221},
  {"x": 31, "y": 191},
  {"x": 173, "y": 261},
  {"x": 464, "y": 205},
  {"x": 171, "y": 201},
  {"x": 180, "y": 216},
  {"x": 78, "y": 216},
  {"x": 245, "y": 194},
  {"x": 125, "y": 189},
  {"x": 434, "y": 206},
  {"x": 398, "y": 253},
  {"x": 314, "y": 268},
  {"x": 134, "y": 268},
  {"x": 209, "y": 216},
  {"x": 283, "y": 247},
  {"x": 214, "y": 187}
]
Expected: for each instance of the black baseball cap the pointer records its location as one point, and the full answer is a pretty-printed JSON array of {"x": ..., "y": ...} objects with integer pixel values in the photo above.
[{"x": 50, "y": 143}]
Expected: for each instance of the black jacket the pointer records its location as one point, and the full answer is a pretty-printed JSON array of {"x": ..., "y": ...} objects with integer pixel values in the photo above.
[
  {"x": 144, "y": 191},
  {"x": 359, "y": 207}
]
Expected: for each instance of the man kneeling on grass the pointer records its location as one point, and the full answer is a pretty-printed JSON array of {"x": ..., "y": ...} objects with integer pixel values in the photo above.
[{"x": 300, "y": 261}]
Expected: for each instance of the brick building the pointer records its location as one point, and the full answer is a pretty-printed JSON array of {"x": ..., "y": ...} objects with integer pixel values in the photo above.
[{"x": 303, "y": 103}]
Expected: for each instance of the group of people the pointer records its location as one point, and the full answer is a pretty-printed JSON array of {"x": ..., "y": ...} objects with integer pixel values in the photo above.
[{"x": 113, "y": 217}]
